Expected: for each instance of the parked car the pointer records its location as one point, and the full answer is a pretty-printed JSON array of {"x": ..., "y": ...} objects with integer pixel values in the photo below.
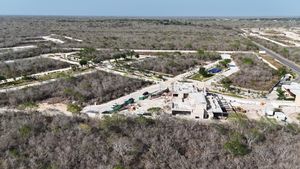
[{"x": 280, "y": 116}]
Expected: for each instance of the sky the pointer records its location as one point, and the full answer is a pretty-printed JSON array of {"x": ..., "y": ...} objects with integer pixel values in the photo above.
[{"x": 151, "y": 7}]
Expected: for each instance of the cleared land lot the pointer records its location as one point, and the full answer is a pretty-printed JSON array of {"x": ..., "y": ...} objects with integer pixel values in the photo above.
[
  {"x": 254, "y": 73},
  {"x": 96, "y": 87},
  {"x": 10, "y": 55},
  {"x": 175, "y": 63},
  {"x": 30, "y": 66}
]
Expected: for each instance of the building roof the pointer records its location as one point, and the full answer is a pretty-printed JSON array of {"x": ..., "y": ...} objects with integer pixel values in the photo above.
[
  {"x": 180, "y": 87},
  {"x": 225, "y": 56},
  {"x": 293, "y": 88}
]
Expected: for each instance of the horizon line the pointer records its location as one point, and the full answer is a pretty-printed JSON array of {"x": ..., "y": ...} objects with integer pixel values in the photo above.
[{"x": 133, "y": 16}]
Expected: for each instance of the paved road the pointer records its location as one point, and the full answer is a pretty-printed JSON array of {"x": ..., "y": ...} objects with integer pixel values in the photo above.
[{"x": 282, "y": 59}]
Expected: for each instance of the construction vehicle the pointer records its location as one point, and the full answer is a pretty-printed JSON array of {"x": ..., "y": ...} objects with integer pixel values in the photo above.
[{"x": 118, "y": 107}]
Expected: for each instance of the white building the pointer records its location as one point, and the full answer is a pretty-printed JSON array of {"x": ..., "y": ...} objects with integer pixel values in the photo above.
[
  {"x": 188, "y": 101},
  {"x": 293, "y": 90}
]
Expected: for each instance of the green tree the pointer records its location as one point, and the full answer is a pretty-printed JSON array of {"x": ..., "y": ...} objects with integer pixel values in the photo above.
[
  {"x": 282, "y": 71},
  {"x": 2, "y": 78},
  {"x": 224, "y": 63},
  {"x": 83, "y": 62},
  {"x": 202, "y": 71},
  {"x": 280, "y": 94}
]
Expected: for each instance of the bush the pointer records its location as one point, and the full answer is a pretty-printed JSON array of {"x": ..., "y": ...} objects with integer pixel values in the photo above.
[
  {"x": 248, "y": 61},
  {"x": 28, "y": 105},
  {"x": 14, "y": 152},
  {"x": 73, "y": 108},
  {"x": 226, "y": 82},
  {"x": 235, "y": 145},
  {"x": 25, "y": 131},
  {"x": 144, "y": 121},
  {"x": 119, "y": 167},
  {"x": 154, "y": 110},
  {"x": 2, "y": 78},
  {"x": 83, "y": 62}
]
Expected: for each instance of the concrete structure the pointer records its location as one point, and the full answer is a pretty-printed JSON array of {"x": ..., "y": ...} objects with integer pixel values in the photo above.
[
  {"x": 188, "y": 100},
  {"x": 293, "y": 90}
]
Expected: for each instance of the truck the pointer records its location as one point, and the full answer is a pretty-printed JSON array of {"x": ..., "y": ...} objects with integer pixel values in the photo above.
[
  {"x": 129, "y": 101},
  {"x": 117, "y": 107}
]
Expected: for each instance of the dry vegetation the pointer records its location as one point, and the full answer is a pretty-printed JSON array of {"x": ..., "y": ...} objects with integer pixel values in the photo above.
[
  {"x": 291, "y": 53},
  {"x": 42, "y": 49},
  {"x": 93, "y": 88},
  {"x": 254, "y": 73},
  {"x": 175, "y": 63},
  {"x": 30, "y": 66},
  {"x": 125, "y": 33},
  {"x": 36, "y": 141}
]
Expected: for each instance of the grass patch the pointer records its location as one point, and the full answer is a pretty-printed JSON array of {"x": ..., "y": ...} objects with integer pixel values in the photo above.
[{"x": 200, "y": 77}]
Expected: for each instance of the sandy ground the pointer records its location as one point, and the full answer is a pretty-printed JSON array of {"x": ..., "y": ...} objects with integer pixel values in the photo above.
[
  {"x": 54, "y": 109},
  {"x": 291, "y": 34}
]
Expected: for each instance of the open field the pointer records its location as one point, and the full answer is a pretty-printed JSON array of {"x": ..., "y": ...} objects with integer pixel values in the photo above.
[
  {"x": 30, "y": 66},
  {"x": 254, "y": 73},
  {"x": 93, "y": 88},
  {"x": 175, "y": 63}
]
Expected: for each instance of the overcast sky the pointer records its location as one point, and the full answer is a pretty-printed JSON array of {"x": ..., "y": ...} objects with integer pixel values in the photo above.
[{"x": 151, "y": 7}]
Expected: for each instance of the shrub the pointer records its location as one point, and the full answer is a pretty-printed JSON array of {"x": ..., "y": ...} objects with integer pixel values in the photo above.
[
  {"x": 248, "y": 61},
  {"x": 235, "y": 145},
  {"x": 28, "y": 105},
  {"x": 83, "y": 62},
  {"x": 226, "y": 82},
  {"x": 114, "y": 120},
  {"x": 2, "y": 78},
  {"x": 73, "y": 108},
  {"x": 154, "y": 109},
  {"x": 25, "y": 131},
  {"x": 144, "y": 121},
  {"x": 14, "y": 152},
  {"x": 85, "y": 127},
  {"x": 119, "y": 167}
]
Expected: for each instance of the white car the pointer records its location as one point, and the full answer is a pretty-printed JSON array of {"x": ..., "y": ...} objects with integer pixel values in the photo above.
[{"x": 280, "y": 116}]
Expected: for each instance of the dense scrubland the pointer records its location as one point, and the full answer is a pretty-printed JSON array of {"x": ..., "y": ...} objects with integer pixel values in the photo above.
[
  {"x": 254, "y": 73},
  {"x": 125, "y": 33},
  {"x": 36, "y": 141},
  {"x": 92, "y": 88},
  {"x": 176, "y": 63},
  {"x": 30, "y": 66}
]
